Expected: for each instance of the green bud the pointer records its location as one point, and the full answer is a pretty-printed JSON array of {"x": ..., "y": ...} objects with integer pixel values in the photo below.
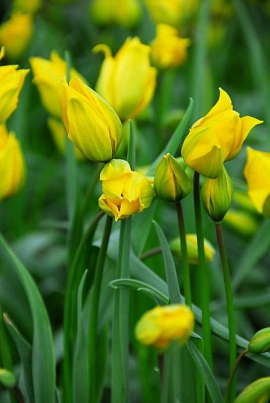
[
  {"x": 192, "y": 249},
  {"x": 217, "y": 195},
  {"x": 171, "y": 182},
  {"x": 256, "y": 392},
  {"x": 241, "y": 222},
  {"x": 7, "y": 378},
  {"x": 260, "y": 342}
]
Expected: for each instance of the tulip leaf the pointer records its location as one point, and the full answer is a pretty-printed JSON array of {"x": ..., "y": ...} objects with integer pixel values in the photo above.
[
  {"x": 170, "y": 270},
  {"x": 176, "y": 139},
  {"x": 139, "y": 286},
  {"x": 43, "y": 365},
  {"x": 205, "y": 372}
]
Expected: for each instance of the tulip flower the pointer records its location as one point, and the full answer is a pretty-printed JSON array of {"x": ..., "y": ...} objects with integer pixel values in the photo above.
[
  {"x": 125, "y": 192},
  {"x": 216, "y": 138},
  {"x": 59, "y": 137},
  {"x": 11, "y": 82},
  {"x": 217, "y": 195},
  {"x": 127, "y": 13},
  {"x": 48, "y": 76},
  {"x": 257, "y": 174},
  {"x": 168, "y": 49},
  {"x": 171, "y": 182},
  {"x": 15, "y": 34},
  {"x": 192, "y": 248},
  {"x": 171, "y": 12},
  {"x": 91, "y": 124},
  {"x": 127, "y": 81},
  {"x": 27, "y": 6},
  {"x": 12, "y": 165},
  {"x": 164, "y": 324}
]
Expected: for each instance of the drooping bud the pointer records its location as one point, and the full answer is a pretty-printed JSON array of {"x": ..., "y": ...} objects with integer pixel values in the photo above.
[
  {"x": 260, "y": 342},
  {"x": 256, "y": 392}
]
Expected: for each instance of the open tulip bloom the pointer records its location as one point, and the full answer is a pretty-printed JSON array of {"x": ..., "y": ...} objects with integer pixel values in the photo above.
[{"x": 216, "y": 138}]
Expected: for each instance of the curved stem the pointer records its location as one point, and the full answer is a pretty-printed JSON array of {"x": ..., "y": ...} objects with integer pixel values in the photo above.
[
  {"x": 203, "y": 273},
  {"x": 230, "y": 306},
  {"x": 93, "y": 326},
  {"x": 231, "y": 379},
  {"x": 150, "y": 253},
  {"x": 184, "y": 253}
]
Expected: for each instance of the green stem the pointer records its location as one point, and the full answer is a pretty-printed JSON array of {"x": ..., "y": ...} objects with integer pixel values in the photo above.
[
  {"x": 89, "y": 194},
  {"x": 231, "y": 379},
  {"x": 150, "y": 253},
  {"x": 74, "y": 276},
  {"x": 230, "y": 308},
  {"x": 184, "y": 253},
  {"x": 120, "y": 324},
  {"x": 93, "y": 327},
  {"x": 203, "y": 273}
]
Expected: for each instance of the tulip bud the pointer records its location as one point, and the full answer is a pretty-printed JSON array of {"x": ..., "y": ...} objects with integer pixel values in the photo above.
[
  {"x": 217, "y": 195},
  {"x": 27, "y": 6},
  {"x": 257, "y": 174},
  {"x": 12, "y": 165},
  {"x": 59, "y": 137},
  {"x": 164, "y": 324},
  {"x": 15, "y": 34},
  {"x": 171, "y": 182},
  {"x": 129, "y": 93},
  {"x": 48, "y": 76},
  {"x": 126, "y": 14},
  {"x": 216, "y": 138},
  {"x": 260, "y": 342},
  {"x": 192, "y": 248},
  {"x": 7, "y": 378},
  {"x": 11, "y": 82},
  {"x": 241, "y": 222},
  {"x": 256, "y": 392},
  {"x": 125, "y": 192},
  {"x": 168, "y": 49},
  {"x": 91, "y": 124}
]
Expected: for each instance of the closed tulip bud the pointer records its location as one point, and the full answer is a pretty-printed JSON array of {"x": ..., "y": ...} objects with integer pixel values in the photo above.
[
  {"x": 12, "y": 165},
  {"x": 127, "y": 81},
  {"x": 241, "y": 222},
  {"x": 192, "y": 248},
  {"x": 168, "y": 49},
  {"x": 171, "y": 182},
  {"x": 256, "y": 392},
  {"x": 48, "y": 76},
  {"x": 7, "y": 378},
  {"x": 171, "y": 12},
  {"x": 59, "y": 137},
  {"x": 91, "y": 124},
  {"x": 242, "y": 199},
  {"x": 127, "y": 13},
  {"x": 257, "y": 174},
  {"x": 125, "y": 192},
  {"x": 260, "y": 342},
  {"x": 11, "y": 82},
  {"x": 217, "y": 195},
  {"x": 164, "y": 324},
  {"x": 216, "y": 138},
  {"x": 27, "y": 6},
  {"x": 15, "y": 34}
]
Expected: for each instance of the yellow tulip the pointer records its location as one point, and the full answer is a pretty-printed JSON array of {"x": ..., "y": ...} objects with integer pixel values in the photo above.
[
  {"x": 125, "y": 192},
  {"x": 168, "y": 49},
  {"x": 15, "y": 34},
  {"x": 48, "y": 76},
  {"x": 59, "y": 137},
  {"x": 171, "y": 182},
  {"x": 127, "y": 81},
  {"x": 171, "y": 12},
  {"x": 12, "y": 165},
  {"x": 27, "y": 6},
  {"x": 192, "y": 247},
  {"x": 126, "y": 13},
  {"x": 11, "y": 82},
  {"x": 91, "y": 124},
  {"x": 216, "y": 138},
  {"x": 164, "y": 324},
  {"x": 257, "y": 174},
  {"x": 217, "y": 195}
]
